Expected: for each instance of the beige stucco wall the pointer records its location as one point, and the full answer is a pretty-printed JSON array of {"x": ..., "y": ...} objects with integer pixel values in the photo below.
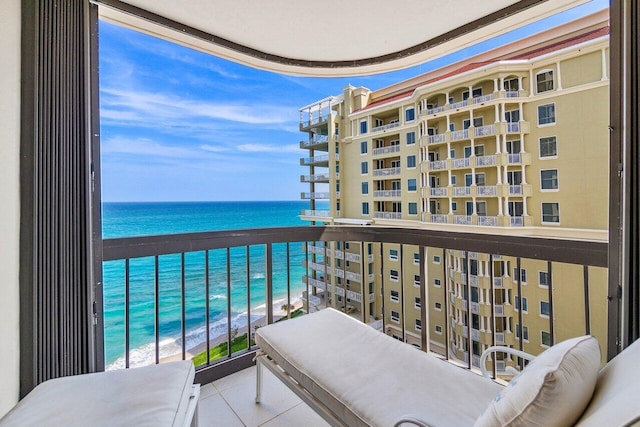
[{"x": 9, "y": 194}]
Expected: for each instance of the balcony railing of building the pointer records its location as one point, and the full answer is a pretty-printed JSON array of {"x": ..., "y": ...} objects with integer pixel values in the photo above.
[
  {"x": 313, "y": 121},
  {"x": 314, "y": 160},
  {"x": 462, "y": 219},
  {"x": 387, "y": 193},
  {"x": 516, "y": 221},
  {"x": 174, "y": 260},
  {"x": 314, "y": 178},
  {"x": 386, "y": 172},
  {"x": 316, "y": 195},
  {"x": 487, "y": 190},
  {"x": 461, "y": 191},
  {"x": 486, "y": 160},
  {"x": 386, "y": 150},
  {"x": 385, "y": 127},
  {"x": 488, "y": 221},
  {"x": 457, "y": 135},
  {"x": 438, "y": 191},
  {"x": 483, "y": 98},
  {"x": 437, "y": 138},
  {"x": 315, "y": 140},
  {"x": 318, "y": 213},
  {"x": 461, "y": 163},
  {"x": 513, "y": 127},
  {"x": 459, "y": 104},
  {"x": 387, "y": 215},
  {"x": 514, "y": 159},
  {"x": 439, "y": 219},
  {"x": 437, "y": 165},
  {"x": 487, "y": 130},
  {"x": 515, "y": 190}
]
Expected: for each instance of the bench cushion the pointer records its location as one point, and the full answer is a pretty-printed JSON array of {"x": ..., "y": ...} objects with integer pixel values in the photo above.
[
  {"x": 616, "y": 400},
  {"x": 368, "y": 378},
  {"x": 155, "y": 395},
  {"x": 552, "y": 391}
]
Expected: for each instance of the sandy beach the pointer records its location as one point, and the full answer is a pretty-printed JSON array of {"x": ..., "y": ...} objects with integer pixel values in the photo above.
[{"x": 214, "y": 341}]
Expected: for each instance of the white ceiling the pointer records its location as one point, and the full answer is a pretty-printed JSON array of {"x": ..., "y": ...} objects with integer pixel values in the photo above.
[{"x": 328, "y": 37}]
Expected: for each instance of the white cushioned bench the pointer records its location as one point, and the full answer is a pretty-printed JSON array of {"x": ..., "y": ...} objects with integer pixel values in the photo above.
[
  {"x": 158, "y": 395},
  {"x": 354, "y": 375}
]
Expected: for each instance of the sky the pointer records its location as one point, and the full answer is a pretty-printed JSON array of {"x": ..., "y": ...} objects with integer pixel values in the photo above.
[{"x": 181, "y": 125}]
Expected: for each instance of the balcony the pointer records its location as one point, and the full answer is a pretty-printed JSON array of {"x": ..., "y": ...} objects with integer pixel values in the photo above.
[
  {"x": 315, "y": 141},
  {"x": 386, "y": 172},
  {"x": 387, "y": 194},
  {"x": 437, "y": 165},
  {"x": 439, "y": 219},
  {"x": 314, "y": 178},
  {"x": 316, "y": 213},
  {"x": 461, "y": 191},
  {"x": 487, "y": 130},
  {"x": 387, "y": 215},
  {"x": 438, "y": 192},
  {"x": 437, "y": 138},
  {"x": 486, "y": 190},
  {"x": 458, "y": 135},
  {"x": 386, "y": 150},
  {"x": 313, "y": 122},
  {"x": 486, "y": 160},
  {"x": 385, "y": 127},
  {"x": 483, "y": 98},
  {"x": 462, "y": 219},
  {"x": 459, "y": 104},
  {"x": 322, "y": 160},
  {"x": 461, "y": 163},
  {"x": 315, "y": 195}
]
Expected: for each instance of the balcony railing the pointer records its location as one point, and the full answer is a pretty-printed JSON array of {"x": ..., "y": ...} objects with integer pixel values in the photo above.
[
  {"x": 512, "y": 94},
  {"x": 316, "y": 195},
  {"x": 387, "y": 215},
  {"x": 487, "y": 190},
  {"x": 385, "y": 127},
  {"x": 387, "y": 193},
  {"x": 314, "y": 160},
  {"x": 190, "y": 266},
  {"x": 459, "y": 104},
  {"x": 488, "y": 221},
  {"x": 516, "y": 221},
  {"x": 438, "y": 192},
  {"x": 461, "y": 191},
  {"x": 437, "y": 165},
  {"x": 318, "y": 213},
  {"x": 316, "y": 140},
  {"x": 437, "y": 138},
  {"x": 314, "y": 178},
  {"x": 513, "y": 127},
  {"x": 487, "y": 130},
  {"x": 457, "y": 135},
  {"x": 436, "y": 110},
  {"x": 386, "y": 150},
  {"x": 515, "y": 159},
  {"x": 486, "y": 160},
  {"x": 461, "y": 163},
  {"x": 483, "y": 98},
  {"x": 386, "y": 172},
  {"x": 462, "y": 219},
  {"x": 439, "y": 219}
]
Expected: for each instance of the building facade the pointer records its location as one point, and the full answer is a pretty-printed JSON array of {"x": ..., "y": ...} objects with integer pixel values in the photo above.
[{"x": 510, "y": 141}]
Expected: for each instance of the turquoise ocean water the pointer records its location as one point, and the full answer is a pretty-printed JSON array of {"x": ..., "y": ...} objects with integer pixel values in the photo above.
[{"x": 143, "y": 219}]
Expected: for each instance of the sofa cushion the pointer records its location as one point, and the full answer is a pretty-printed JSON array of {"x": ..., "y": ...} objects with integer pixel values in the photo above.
[
  {"x": 552, "y": 390},
  {"x": 155, "y": 395},
  {"x": 615, "y": 399},
  {"x": 370, "y": 379}
]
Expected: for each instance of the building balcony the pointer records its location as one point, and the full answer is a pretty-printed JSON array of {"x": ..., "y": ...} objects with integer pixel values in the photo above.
[
  {"x": 439, "y": 218},
  {"x": 486, "y": 190},
  {"x": 314, "y": 122},
  {"x": 484, "y": 98},
  {"x": 387, "y": 172},
  {"x": 462, "y": 219},
  {"x": 519, "y": 190},
  {"x": 437, "y": 165},
  {"x": 385, "y": 127},
  {"x": 516, "y": 158},
  {"x": 322, "y": 160},
  {"x": 459, "y": 104},
  {"x": 487, "y": 130},
  {"x": 459, "y": 135},
  {"x": 439, "y": 138},
  {"x": 517, "y": 127},
  {"x": 316, "y": 141},
  {"x": 463, "y": 163},
  {"x": 387, "y": 215},
  {"x": 315, "y": 213},
  {"x": 461, "y": 191},
  {"x": 386, "y": 150},
  {"x": 438, "y": 191},
  {"x": 314, "y": 178},
  {"x": 436, "y": 110},
  {"x": 485, "y": 161},
  {"x": 315, "y": 196},
  {"x": 387, "y": 194}
]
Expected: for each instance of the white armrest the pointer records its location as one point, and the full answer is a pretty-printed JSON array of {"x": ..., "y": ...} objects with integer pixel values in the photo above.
[
  {"x": 409, "y": 419},
  {"x": 500, "y": 349}
]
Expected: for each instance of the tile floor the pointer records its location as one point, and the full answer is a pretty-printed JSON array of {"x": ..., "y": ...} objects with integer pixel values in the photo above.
[{"x": 230, "y": 402}]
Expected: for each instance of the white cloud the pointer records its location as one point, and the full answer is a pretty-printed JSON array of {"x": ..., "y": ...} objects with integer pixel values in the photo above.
[
  {"x": 268, "y": 148},
  {"x": 213, "y": 148}
]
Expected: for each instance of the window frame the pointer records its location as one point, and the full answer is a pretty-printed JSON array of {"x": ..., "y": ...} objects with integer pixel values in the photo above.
[
  {"x": 364, "y": 147},
  {"x": 550, "y": 71},
  {"x": 410, "y": 140},
  {"x": 555, "y": 145},
  {"x": 555, "y": 115},
  {"x": 394, "y": 277},
  {"x": 542, "y": 214},
  {"x": 551, "y": 180}
]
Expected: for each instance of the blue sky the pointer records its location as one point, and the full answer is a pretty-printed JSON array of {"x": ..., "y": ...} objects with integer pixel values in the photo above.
[{"x": 181, "y": 125}]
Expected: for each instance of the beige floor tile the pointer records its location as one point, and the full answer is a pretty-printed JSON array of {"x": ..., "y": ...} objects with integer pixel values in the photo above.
[
  {"x": 207, "y": 390},
  {"x": 298, "y": 415},
  {"x": 276, "y": 399},
  {"x": 213, "y": 411},
  {"x": 244, "y": 377}
]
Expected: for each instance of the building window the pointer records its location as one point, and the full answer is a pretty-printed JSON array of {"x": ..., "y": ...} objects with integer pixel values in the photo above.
[
  {"x": 525, "y": 332},
  {"x": 363, "y": 127},
  {"x": 409, "y": 114},
  {"x": 544, "y": 81},
  {"x": 551, "y": 212},
  {"x": 418, "y": 325},
  {"x": 436, "y": 259},
  {"x": 416, "y": 258},
  {"x": 544, "y": 308},
  {"x": 546, "y": 114},
  {"x": 416, "y": 280},
  {"x": 365, "y": 208},
  {"x": 545, "y": 338},
  {"x": 413, "y": 208},
  {"x": 363, "y": 147},
  {"x": 438, "y": 329},
  {"x": 411, "y": 161},
  {"x": 436, "y": 283},
  {"x": 511, "y": 85},
  {"x": 548, "y": 147},
  {"x": 395, "y": 316},
  {"x": 525, "y": 305},
  {"x": 544, "y": 278},
  {"x": 454, "y": 206},
  {"x": 453, "y": 180},
  {"x": 365, "y": 187},
  {"x": 438, "y": 306},
  {"x": 549, "y": 179},
  {"x": 393, "y": 254},
  {"x": 393, "y": 275},
  {"x": 364, "y": 168},
  {"x": 523, "y": 275},
  {"x": 411, "y": 138},
  {"x": 395, "y": 296},
  {"x": 412, "y": 184},
  {"x": 417, "y": 303}
]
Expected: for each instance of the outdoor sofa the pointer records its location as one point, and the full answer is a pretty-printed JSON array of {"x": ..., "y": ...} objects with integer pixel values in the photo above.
[{"x": 354, "y": 375}]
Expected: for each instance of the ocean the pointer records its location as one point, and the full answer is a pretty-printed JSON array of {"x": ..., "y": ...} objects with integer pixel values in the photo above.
[{"x": 144, "y": 219}]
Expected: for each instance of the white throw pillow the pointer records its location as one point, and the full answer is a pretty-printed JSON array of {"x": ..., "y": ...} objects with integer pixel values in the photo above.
[{"x": 553, "y": 390}]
